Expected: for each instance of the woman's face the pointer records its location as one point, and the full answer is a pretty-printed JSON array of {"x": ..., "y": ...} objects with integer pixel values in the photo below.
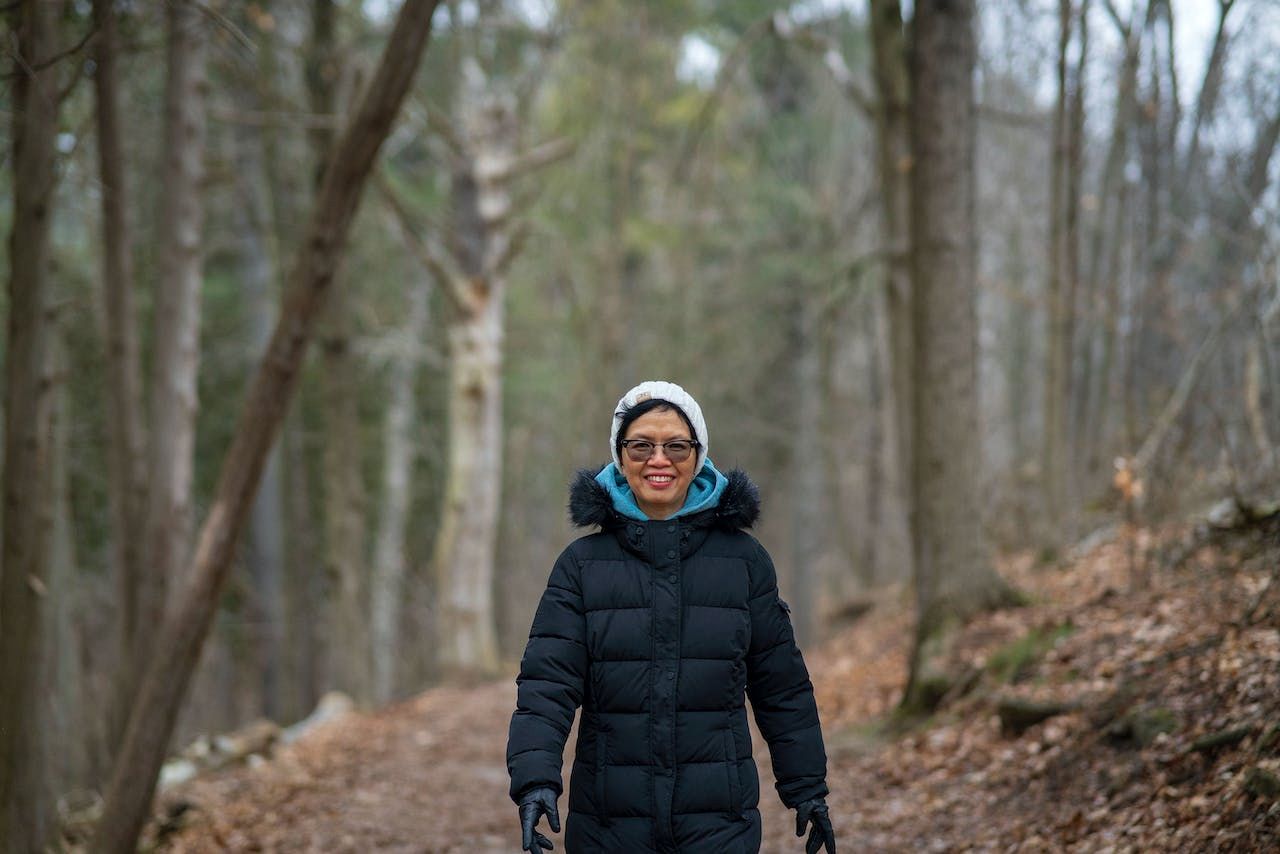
[{"x": 658, "y": 484}]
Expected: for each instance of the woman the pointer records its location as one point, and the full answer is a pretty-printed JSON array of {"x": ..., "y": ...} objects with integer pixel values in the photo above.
[{"x": 658, "y": 626}]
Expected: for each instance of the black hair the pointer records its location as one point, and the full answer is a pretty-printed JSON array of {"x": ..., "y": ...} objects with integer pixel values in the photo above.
[{"x": 631, "y": 413}]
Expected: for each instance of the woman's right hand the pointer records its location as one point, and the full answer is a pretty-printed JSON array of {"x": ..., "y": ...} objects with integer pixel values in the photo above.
[{"x": 533, "y": 804}]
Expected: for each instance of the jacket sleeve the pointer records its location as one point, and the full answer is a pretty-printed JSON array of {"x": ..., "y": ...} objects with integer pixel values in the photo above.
[
  {"x": 550, "y": 685},
  {"x": 781, "y": 693}
]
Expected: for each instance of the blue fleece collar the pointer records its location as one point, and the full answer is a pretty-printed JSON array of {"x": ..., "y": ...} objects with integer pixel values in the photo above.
[{"x": 704, "y": 492}]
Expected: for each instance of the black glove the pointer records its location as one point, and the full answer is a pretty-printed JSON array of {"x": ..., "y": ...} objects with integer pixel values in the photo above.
[
  {"x": 533, "y": 804},
  {"x": 820, "y": 833}
]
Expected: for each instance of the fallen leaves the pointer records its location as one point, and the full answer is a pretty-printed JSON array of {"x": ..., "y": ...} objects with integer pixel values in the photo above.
[{"x": 1168, "y": 739}]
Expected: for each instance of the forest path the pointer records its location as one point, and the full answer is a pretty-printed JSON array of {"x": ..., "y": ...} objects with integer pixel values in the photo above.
[{"x": 1151, "y": 667}]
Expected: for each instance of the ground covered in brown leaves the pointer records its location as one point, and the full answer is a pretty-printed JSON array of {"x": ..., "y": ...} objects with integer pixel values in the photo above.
[{"x": 1165, "y": 671}]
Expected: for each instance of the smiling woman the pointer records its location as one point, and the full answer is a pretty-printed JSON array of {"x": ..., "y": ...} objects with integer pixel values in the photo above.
[{"x": 660, "y": 626}]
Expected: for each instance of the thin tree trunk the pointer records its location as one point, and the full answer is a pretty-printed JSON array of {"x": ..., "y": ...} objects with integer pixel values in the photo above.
[
  {"x": 69, "y": 715},
  {"x": 894, "y": 305},
  {"x": 1074, "y": 166},
  {"x": 1103, "y": 256},
  {"x": 126, "y": 457},
  {"x": 954, "y": 574},
  {"x": 345, "y": 495},
  {"x": 187, "y": 624},
  {"x": 24, "y": 820},
  {"x": 1053, "y": 461},
  {"x": 175, "y": 363},
  {"x": 807, "y": 465},
  {"x": 389, "y": 551},
  {"x": 265, "y": 540}
]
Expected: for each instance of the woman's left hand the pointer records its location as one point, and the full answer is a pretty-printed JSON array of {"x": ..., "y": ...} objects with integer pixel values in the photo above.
[{"x": 821, "y": 833}]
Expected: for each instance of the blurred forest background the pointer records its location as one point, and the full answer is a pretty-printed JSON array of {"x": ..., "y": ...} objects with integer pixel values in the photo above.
[{"x": 578, "y": 195}]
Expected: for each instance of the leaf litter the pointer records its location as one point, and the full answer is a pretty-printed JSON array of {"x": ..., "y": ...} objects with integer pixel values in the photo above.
[{"x": 1168, "y": 675}]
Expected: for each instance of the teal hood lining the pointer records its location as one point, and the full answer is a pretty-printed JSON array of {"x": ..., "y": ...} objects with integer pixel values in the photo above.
[{"x": 704, "y": 492}]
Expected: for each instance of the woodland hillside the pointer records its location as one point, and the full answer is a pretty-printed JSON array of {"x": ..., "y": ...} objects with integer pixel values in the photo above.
[
  {"x": 1158, "y": 685},
  {"x": 313, "y": 308}
]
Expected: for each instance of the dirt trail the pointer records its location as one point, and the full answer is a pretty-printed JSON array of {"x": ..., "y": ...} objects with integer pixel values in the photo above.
[{"x": 428, "y": 775}]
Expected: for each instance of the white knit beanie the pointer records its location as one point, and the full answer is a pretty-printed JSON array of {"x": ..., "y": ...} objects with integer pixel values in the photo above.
[{"x": 673, "y": 394}]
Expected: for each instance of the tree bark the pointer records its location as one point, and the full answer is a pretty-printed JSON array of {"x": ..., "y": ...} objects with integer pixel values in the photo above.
[
  {"x": 807, "y": 463},
  {"x": 389, "y": 550},
  {"x": 175, "y": 362},
  {"x": 894, "y": 305},
  {"x": 954, "y": 575},
  {"x": 484, "y": 240},
  {"x": 1053, "y": 460},
  {"x": 126, "y": 457},
  {"x": 345, "y": 494},
  {"x": 264, "y": 551},
  {"x": 24, "y": 820},
  {"x": 187, "y": 623}
]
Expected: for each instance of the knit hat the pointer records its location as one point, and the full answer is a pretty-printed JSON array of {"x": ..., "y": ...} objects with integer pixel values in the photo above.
[{"x": 673, "y": 394}]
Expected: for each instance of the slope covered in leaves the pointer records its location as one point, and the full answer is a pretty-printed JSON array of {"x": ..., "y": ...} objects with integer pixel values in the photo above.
[{"x": 1165, "y": 673}]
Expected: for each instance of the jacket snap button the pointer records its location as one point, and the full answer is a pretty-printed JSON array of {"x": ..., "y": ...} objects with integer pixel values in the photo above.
[
  {"x": 671, "y": 552},
  {"x": 671, "y": 577},
  {"x": 670, "y": 675},
  {"x": 671, "y": 527}
]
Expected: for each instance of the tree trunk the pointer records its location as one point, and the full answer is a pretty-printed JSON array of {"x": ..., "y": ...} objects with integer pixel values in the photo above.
[
  {"x": 175, "y": 362},
  {"x": 1074, "y": 166},
  {"x": 483, "y": 243},
  {"x": 1103, "y": 258},
  {"x": 894, "y": 305},
  {"x": 1053, "y": 460},
  {"x": 187, "y": 623},
  {"x": 465, "y": 546},
  {"x": 954, "y": 575},
  {"x": 398, "y": 457},
  {"x": 264, "y": 551},
  {"x": 807, "y": 464},
  {"x": 126, "y": 457},
  {"x": 69, "y": 714},
  {"x": 27, "y": 409},
  {"x": 345, "y": 496}
]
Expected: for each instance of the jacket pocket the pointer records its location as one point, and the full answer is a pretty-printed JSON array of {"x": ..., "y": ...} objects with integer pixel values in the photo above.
[
  {"x": 731, "y": 768},
  {"x": 602, "y": 754}
]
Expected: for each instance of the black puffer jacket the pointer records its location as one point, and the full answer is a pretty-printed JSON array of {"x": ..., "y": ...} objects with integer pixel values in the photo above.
[{"x": 658, "y": 629}]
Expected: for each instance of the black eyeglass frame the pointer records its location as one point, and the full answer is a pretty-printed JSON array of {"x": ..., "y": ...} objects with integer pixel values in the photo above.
[{"x": 693, "y": 444}]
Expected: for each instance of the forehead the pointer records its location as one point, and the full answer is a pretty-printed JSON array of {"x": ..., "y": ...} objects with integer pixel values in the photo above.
[{"x": 661, "y": 424}]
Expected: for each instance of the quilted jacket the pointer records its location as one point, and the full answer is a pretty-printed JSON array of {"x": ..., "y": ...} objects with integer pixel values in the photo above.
[{"x": 659, "y": 631}]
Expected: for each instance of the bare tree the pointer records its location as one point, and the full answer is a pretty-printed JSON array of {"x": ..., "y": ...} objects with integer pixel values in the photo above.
[
  {"x": 27, "y": 514},
  {"x": 175, "y": 362},
  {"x": 389, "y": 562},
  {"x": 126, "y": 458},
  {"x": 954, "y": 574},
  {"x": 894, "y": 303},
  {"x": 187, "y": 623},
  {"x": 345, "y": 495},
  {"x": 472, "y": 274}
]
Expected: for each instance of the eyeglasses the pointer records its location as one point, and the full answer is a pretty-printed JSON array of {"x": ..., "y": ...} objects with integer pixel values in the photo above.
[{"x": 677, "y": 451}]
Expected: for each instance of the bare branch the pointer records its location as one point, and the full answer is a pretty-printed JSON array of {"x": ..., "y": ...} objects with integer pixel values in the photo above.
[
  {"x": 1121, "y": 24},
  {"x": 277, "y": 118},
  {"x": 431, "y": 255},
  {"x": 504, "y": 250},
  {"x": 440, "y": 124},
  {"x": 698, "y": 127},
  {"x": 495, "y": 171},
  {"x": 809, "y": 38}
]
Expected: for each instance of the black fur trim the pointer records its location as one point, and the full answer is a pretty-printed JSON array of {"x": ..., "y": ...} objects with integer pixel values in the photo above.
[{"x": 590, "y": 505}]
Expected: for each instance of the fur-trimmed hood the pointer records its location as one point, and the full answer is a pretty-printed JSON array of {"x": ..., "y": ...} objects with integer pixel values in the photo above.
[{"x": 739, "y": 507}]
